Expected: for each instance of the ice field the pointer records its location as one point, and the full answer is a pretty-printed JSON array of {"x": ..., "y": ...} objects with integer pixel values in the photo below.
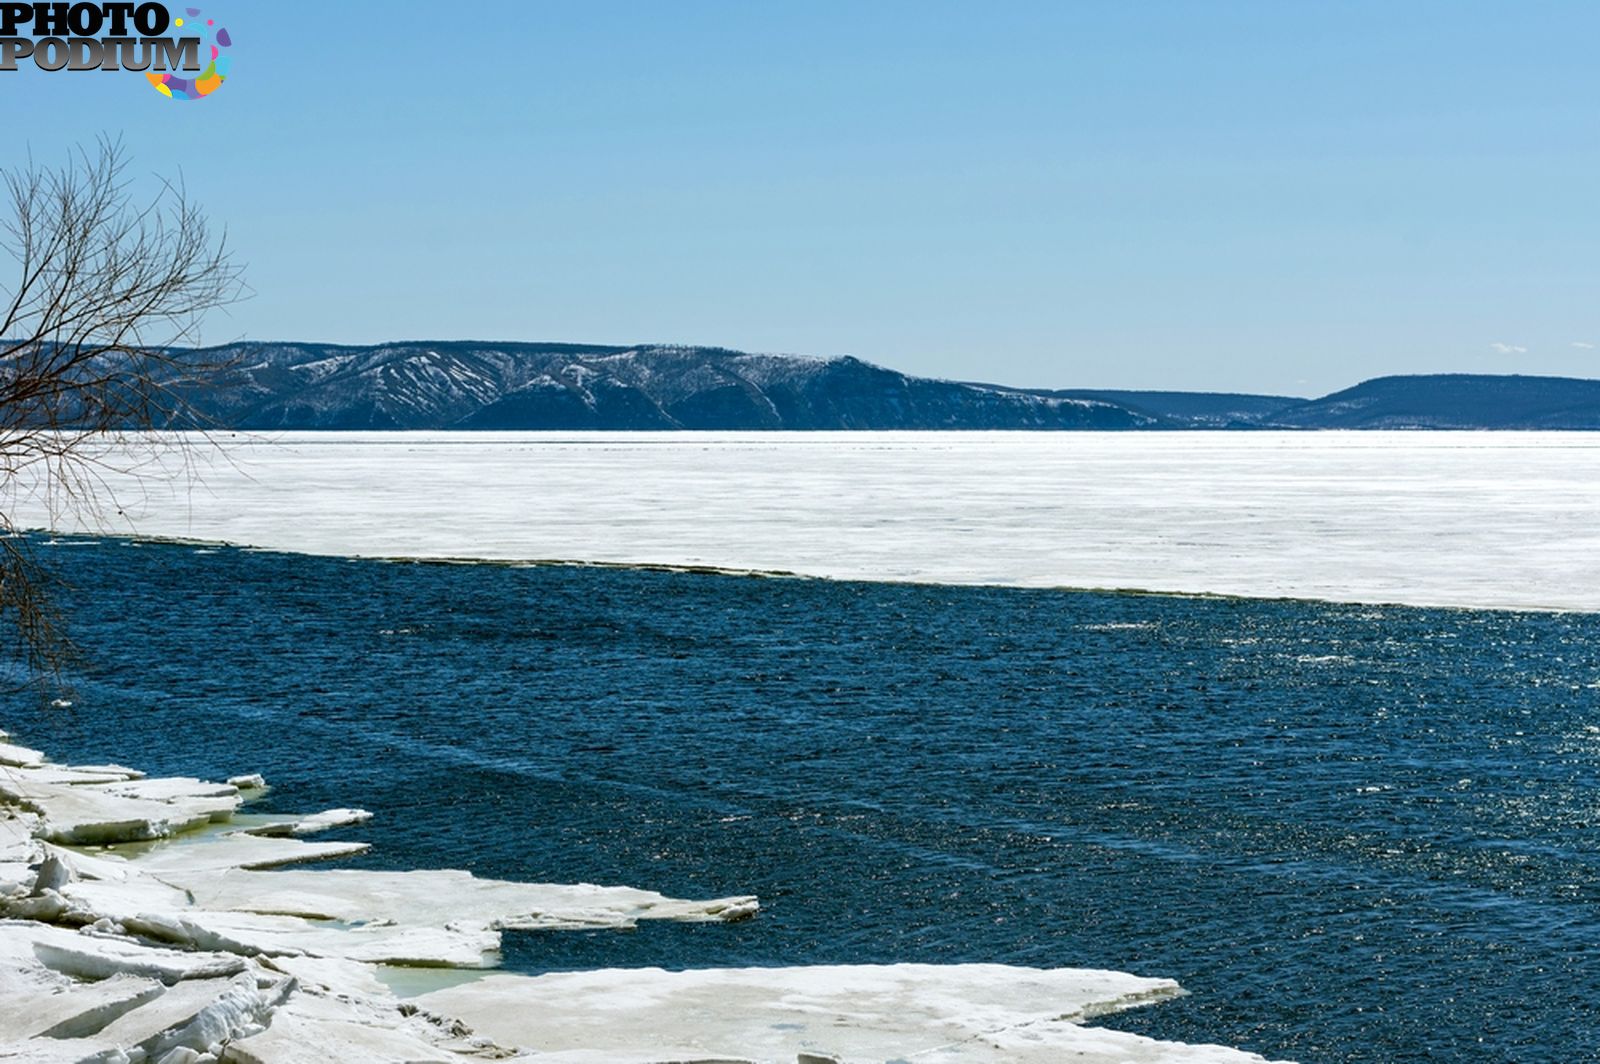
[{"x": 1424, "y": 518}]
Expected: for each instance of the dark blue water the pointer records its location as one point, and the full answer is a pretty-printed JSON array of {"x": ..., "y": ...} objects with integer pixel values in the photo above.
[{"x": 1354, "y": 833}]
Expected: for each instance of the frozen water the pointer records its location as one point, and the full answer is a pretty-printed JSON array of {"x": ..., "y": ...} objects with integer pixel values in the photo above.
[
  {"x": 1428, "y": 518},
  {"x": 938, "y": 1014},
  {"x": 258, "y": 972}
]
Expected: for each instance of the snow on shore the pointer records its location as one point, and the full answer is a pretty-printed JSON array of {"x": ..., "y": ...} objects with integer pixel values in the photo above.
[{"x": 199, "y": 948}]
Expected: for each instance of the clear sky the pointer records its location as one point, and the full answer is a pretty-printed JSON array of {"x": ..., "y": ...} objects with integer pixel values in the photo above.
[{"x": 1268, "y": 196}]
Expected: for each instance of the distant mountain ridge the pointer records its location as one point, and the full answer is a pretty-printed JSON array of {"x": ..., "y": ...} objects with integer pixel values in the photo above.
[
  {"x": 1452, "y": 401},
  {"x": 465, "y": 385},
  {"x": 474, "y": 385}
]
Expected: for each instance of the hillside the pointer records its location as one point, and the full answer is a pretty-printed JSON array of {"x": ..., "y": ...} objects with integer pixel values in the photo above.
[
  {"x": 464, "y": 385},
  {"x": 1193, "y": 409},
  {"x": 472, "y": 385},
  {"x": 1451, "y": 401}
]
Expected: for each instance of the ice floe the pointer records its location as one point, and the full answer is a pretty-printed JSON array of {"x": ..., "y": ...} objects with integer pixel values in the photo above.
[
  {"x": 311, "y": 825},
  {"x": 119, "y": 810},
  {"x": 198, "y": 946},
  {"x": 927, "y": 1013},
  {"x": 20, "y": 756},
  {"x": 440, "y": 897}
]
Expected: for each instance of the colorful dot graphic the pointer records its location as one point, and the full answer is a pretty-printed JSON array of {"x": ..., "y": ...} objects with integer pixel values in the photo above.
[{"x": 214, "y": 45}]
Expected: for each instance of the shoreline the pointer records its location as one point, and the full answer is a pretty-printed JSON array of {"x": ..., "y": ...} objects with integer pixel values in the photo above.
[{"x": 209, "y": 947}]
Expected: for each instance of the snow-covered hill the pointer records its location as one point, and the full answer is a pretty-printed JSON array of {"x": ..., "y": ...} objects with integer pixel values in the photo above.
[
  {"x": 511, "y": 386},
  {"x": 472, "y": 385}
]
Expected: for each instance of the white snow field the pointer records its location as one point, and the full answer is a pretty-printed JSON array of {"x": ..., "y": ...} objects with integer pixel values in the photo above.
[
  {"x": 1488, "y": 519},
  {"x": 199, "y": 949}
]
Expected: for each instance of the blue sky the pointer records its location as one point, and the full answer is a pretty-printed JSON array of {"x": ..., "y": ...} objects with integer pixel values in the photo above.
[{"x": 1247, "y": 196}]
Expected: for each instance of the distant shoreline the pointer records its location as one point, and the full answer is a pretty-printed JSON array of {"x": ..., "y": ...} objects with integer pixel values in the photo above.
[{"x": 469, "y": 385}]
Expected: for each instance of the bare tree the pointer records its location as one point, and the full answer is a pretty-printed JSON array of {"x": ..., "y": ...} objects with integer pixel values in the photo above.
[{"x": 98, "y": 318}]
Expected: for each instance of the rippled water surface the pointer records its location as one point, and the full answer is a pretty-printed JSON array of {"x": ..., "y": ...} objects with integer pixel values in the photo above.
[{"x": 1353, "y": 833}]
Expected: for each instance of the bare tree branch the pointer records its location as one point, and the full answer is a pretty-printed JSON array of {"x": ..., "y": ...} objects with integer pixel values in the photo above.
[{"x": 99, "y": 314}]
